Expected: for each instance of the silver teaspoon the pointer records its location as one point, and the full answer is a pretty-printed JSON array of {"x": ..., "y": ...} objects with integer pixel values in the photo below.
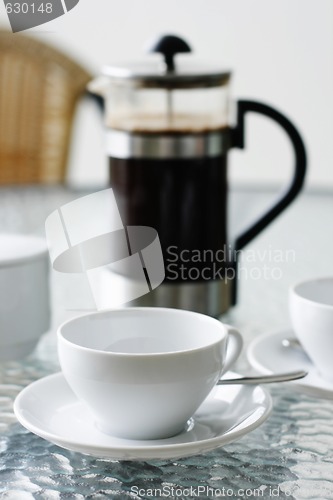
[
  {"x": 294, "y": 343},
  {"x": 265, "y": 379}
]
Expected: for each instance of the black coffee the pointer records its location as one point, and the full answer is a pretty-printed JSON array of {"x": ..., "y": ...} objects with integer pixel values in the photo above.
[{"x": 185, "y": 200}]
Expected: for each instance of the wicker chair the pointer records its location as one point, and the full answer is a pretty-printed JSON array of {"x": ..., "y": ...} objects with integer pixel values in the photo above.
[{"x": 39, "y": 89}]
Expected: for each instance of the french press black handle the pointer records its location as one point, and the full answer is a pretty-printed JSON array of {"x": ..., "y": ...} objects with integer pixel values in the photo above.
[{"x": 294, "y": 187}]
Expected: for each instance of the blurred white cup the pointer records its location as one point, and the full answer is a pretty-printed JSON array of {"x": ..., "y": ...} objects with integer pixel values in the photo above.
[
  {"x": 311, "y": 310},
  {"x": 24, "y": 294}
]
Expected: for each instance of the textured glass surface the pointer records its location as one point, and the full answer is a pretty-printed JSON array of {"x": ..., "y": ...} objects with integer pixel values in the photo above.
[{"x": 289, "y": 456}]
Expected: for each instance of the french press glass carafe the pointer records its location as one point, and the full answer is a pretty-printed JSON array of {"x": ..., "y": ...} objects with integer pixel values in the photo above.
[{"x": 167, "y": 137}]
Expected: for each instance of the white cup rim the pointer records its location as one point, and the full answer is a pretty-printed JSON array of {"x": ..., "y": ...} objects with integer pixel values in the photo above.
[
  {"x": 129, "y": 310},
  {"x": 295, "y": 290}
]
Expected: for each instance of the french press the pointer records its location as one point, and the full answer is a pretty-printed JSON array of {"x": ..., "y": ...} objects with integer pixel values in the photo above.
[{"x": 167, "y": 137}]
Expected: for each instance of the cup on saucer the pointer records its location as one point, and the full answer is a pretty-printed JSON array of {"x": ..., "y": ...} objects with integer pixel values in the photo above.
[
  {"x": 143, "y": 372},
  {"x": 24, "y": 294},
  {"x": 311, "y": 310}
]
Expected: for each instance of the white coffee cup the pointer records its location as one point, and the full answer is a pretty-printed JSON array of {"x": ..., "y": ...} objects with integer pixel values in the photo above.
[
  {"x": 24, "y": 294},
  {"x": 311, "y": 310},
  {"x": 143, "y": 372}
]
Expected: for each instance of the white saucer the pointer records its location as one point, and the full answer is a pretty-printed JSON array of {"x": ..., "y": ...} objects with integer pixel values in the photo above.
[
  {"x": 49, "y": 408},
  {"x": 267, "y": 355}
]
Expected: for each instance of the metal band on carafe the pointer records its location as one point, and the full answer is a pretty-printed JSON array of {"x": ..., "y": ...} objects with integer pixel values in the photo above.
[{"x": 124, "y": 145}]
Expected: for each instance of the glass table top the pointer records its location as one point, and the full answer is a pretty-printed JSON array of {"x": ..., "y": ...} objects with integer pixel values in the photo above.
[{"x": 289, "y": 456}]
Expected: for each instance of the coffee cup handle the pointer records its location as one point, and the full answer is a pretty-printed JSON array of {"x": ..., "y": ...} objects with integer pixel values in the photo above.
[{"x": 234, "y": 347}]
